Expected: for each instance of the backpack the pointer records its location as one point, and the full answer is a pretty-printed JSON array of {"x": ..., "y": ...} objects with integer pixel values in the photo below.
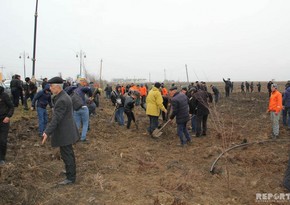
[{"x": 76, "y": 101}]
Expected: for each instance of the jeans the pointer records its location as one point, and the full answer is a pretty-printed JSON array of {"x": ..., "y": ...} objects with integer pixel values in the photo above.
[
  {"x": 108, "y": 94},
  {"x": 82, "y": 116},
  {"x": 182, "y": 130},
  {"x": 275, "y": 123},
  {"x": 42, "y": 119},
  {"x": 153, "y": 123},
  {"x": 119, "y": 115},
  {"x": 193, "y": 123},
  {"x": 286, "y": 112},
  {"x": 4, "y": 128},
  {"x": 68, "y": 157}
]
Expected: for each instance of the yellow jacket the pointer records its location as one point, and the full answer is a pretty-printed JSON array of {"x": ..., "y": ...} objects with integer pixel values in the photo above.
[{"x": 154, "y": 102}]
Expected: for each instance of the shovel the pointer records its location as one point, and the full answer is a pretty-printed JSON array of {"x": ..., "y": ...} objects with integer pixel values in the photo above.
[
  {"x": 157, "y": 132},
  {"x": 113, "y": 116}
]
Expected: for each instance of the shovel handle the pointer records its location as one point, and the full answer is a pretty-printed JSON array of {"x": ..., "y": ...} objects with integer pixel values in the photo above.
[{"x": 164, "y": 125}]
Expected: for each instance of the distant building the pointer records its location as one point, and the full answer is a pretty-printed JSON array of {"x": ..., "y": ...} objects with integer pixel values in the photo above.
[{"x": 129, "y": 80}]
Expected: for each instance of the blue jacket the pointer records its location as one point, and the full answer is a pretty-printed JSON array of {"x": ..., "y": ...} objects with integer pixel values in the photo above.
[
  {"x": 180, "y": 108},
  {"x": 42, "y": 98},
  {"x": 286, "y": 97}
]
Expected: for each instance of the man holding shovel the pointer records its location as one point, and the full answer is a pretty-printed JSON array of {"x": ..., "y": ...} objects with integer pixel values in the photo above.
[
  {"x": 154, "y": 104},
  {"x": 180, "y": 110}
]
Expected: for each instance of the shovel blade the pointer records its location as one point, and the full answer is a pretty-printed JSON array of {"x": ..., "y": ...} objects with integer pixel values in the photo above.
[{"x": 157, "y": 134}]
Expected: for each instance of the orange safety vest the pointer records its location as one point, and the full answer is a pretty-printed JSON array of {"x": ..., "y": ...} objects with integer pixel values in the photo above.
[
  {"x": 134, "y": 87},
  {"x": 164, "y": 92},
  {"x": 123, "y": 90},
  {"x": 143, "y": 91}
]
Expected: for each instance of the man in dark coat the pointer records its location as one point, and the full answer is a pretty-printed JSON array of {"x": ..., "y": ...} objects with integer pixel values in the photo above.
[
  {"x": 6, "y": 112},
  {"x": 29, "y": 89},
  {"x": 128, "y": 107},
  {"x": 180, "y": 110},
  {"x": 269, "y": 85},
  {"x": 16, "y": 89},
  {"x": 247, "y": 86},
  {"x": 215, "y": 92},
  {"x": 199, "y": 105},
  {"x": 62, "y": 128},
  {"x": 259, "y": 87},
  {"x": 228, "y": 85}
]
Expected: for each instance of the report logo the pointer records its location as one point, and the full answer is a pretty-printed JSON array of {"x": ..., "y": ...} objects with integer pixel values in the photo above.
[{"x": 270, "y": 197}]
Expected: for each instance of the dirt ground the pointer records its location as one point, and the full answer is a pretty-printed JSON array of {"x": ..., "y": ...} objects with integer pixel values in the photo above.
[{"x": 120, "y": 166}]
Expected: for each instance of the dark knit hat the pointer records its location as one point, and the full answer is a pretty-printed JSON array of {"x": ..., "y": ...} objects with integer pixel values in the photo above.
[
  {"x": 157, "y": 85},
  {"x": 55, "y": 80}
]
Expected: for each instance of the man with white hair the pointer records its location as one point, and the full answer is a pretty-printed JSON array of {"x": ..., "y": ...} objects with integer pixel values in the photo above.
[
  {"x": 274, "y": 108},
  {"x": 62, "y": 128}
]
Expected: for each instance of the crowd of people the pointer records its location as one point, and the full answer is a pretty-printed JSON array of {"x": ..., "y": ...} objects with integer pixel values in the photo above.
[{"x": 73, "y": 104}]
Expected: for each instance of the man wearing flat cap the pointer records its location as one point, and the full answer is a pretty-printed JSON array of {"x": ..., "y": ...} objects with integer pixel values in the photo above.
[
  {"x": 154, "y": 104},
  {"x": 62, "y": 128}
]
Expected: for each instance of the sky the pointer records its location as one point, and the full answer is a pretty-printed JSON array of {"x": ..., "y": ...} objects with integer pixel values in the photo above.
[{"x": 237, "y": 39}]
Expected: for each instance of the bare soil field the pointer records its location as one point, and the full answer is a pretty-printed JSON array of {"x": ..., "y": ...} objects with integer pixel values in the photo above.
[{"x": 120, "y": 166}]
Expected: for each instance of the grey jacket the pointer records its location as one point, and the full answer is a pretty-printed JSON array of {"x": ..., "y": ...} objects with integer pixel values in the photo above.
[{"x": 62, "y": 128}]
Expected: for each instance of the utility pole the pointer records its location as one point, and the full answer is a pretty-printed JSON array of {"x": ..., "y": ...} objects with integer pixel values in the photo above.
[
  {"x": 34, "y": 41},
  {"x": 164, "y": 74},
  {"x": 101, "y": 66},
  {"x": 186, "y": 73},
  {"x": 149, "y": 78},
  {"x": 24, "y": 55},
  {"x": 81, "y": 55}
]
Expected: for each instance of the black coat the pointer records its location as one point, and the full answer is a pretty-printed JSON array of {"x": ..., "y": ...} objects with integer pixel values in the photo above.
[
  {"x": 6, "y": 105},
  {"x": 62, "y": 128},
  {"x": 180, "y": 108},
  {"x": 199, "y": 103}
]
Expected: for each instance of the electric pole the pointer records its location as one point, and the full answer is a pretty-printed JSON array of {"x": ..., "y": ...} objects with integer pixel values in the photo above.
[
  {"x": 24, "y": 55},
  {"x": 34, "y": 41},
  {"x": 101, "y": 66},
  {"x": 81, "y": 55},
  {"x": 186, "y": 73}
]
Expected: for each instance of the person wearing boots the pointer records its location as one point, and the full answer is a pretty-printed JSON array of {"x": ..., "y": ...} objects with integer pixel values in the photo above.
[{"x": 62, "y": 129}]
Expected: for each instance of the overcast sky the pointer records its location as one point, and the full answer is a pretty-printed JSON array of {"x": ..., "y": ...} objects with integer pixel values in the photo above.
[{"x": 237, "y": 39}]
